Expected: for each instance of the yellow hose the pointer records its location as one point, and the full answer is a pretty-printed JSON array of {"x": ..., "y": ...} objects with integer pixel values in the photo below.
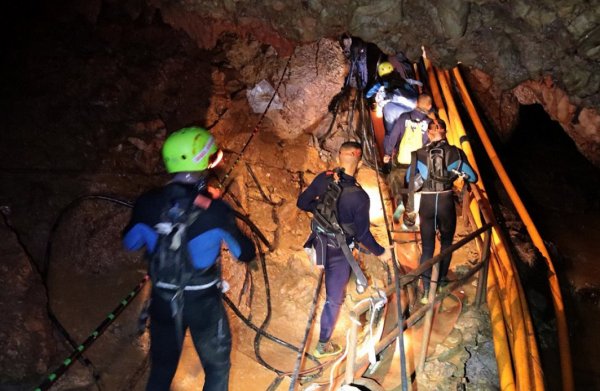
[
  {"x": 514, "y": 340},
  {"x": 563, "y": 334}
]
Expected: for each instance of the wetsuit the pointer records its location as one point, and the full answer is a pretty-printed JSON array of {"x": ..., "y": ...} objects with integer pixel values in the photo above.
[
  {"x": 353, "y": 210},
  {"x": 437, "y": 210},
  {"x": 203, "y": 311}
]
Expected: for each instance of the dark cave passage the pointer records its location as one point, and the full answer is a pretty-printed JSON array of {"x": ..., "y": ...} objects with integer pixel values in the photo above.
[{"x": 561, "y": 190}]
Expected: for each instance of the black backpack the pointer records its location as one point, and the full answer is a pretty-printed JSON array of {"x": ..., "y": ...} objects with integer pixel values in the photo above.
[
  {"x": 170, "y": 266},
  {"x": 439, "y": 178},
  {"x": 170, "y": 263},
  {"x": 325, "y": 216}
]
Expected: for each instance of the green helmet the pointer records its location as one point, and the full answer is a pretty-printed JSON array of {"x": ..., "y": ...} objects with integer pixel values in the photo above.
[{"x": 189, "y": 149}]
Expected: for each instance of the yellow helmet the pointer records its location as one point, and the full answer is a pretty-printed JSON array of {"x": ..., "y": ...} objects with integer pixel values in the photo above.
[{"x": 385, "y": 68}]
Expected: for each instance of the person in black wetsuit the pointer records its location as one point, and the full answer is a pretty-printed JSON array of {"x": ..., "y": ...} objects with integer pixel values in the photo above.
[
  {"x": 353, "y": 212},
  {"x": 437, "y": 211},
  {"x": 188, "y": 154}
]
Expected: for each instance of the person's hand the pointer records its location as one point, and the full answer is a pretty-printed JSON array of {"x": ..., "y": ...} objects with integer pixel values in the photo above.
[
  {"x": 386, "y": 256},
  {"x": 387, "y": 158}
]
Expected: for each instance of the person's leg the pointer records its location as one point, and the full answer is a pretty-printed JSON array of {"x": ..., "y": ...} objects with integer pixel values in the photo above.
[
  {"x": 397, "y": 183},
  {"x": 390, "y": 115},
  {"x": 337, "y": 273},
  {"x": 427, "y": 217},
  {"x": 165, "y": 348},
  {"x": 211, "y": 335},
  {"x": 446, "y": 218}
]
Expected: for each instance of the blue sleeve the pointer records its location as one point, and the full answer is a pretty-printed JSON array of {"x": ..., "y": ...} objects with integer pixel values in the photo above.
[
  {"x": 390, "y": 141},
  {"x": 362, "y": 225},
  {"x": 308, "y": 199},
  {"x": 138, "y": 236},
  {"x": 373, "y": 90},
  {"x": 205, "y": 247},
  {"x": 463, "y": 166}
]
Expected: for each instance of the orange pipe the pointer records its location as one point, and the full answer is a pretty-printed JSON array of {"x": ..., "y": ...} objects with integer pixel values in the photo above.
[
  {"x": 506, "y": 300},
  {"x": 437, "y": 97},
  {"x": 379, "y": 131},
  {"x": 563, "y": 333},
  {"x": 501, "y": 345}
]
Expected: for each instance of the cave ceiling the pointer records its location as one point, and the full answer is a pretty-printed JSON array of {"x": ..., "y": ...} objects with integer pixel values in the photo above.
[
  {"x": 512, "y": 40},
  {"x": 519, "y": 52}
]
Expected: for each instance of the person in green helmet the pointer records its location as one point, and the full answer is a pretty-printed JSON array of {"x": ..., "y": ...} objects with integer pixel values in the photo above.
[{"x": 182, "y": 228}]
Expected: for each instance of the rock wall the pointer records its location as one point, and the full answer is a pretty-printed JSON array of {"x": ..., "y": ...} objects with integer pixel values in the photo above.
[
  {"x": 512, "y": 41},
  {"x": 26, "y": 339},
  {"x": 501, "y": 108}
]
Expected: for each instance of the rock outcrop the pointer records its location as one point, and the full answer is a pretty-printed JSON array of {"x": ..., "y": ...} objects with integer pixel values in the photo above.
[
  {"x": 513, "y": 41},
  {"x": 26, "y": 339}
]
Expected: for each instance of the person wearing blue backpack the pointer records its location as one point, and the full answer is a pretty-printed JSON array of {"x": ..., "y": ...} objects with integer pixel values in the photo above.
[
  {"x": 182, "y": 228},
  {"x": 438, "y": 164}
]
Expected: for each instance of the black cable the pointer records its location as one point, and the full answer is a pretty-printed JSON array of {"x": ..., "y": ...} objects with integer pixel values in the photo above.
[
  {"x": 309, "y": 324},
  {"x": 403, "y": 375},
  {"x": 258, "y": 236}
]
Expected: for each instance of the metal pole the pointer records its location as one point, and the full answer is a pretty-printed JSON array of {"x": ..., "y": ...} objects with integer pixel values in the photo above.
[
  {"x": 429, "y": 317},
  {"x": 351, "y": 350},
  {"x": 395, "y": 263},
  {"x": 307, "y": 332}
]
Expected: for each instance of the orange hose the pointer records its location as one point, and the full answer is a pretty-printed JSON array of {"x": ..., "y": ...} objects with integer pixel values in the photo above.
[
  {"x": 515, "y": 346},
  {"x": 563, "y": 333}
]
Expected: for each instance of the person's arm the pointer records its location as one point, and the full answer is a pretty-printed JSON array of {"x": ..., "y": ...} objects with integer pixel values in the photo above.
[
  {"x": 462, "y": 165},
  {"x": 240, "y": 245},
  {"x": 308, "y": 199},
  {"x": 420, "y": 169},
  {"x": 373, "y": 90},
  {"x": 361, "y": 224},
  {"x": 138, "y": 233}
]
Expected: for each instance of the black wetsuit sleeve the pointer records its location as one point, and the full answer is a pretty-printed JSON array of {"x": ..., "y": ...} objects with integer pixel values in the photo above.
[
  {"x": 308, "y": 199},
  {"x": 362, "y": 225}
]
